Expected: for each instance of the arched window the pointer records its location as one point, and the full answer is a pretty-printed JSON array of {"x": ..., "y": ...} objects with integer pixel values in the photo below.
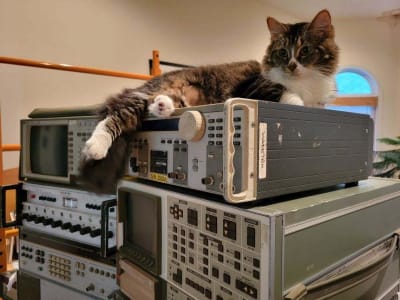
[{"x": 357, "y": 91}]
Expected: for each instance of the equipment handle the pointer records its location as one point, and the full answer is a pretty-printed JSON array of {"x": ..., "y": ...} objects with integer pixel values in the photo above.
[
  {"x": 105, "y": 251},
  {"x": 248, "y": 168},
  {"x": 18, "y": 189},
  {"x": 348, "y": 275}
]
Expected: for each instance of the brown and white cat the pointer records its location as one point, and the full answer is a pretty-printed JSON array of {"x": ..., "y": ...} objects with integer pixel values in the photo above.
[{"x": 298, "y": 68}]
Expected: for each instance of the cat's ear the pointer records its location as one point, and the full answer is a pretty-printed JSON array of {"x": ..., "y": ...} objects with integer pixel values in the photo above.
[
  {"x": 275, "y": 28},
  {"x": 321, "y": 24}
]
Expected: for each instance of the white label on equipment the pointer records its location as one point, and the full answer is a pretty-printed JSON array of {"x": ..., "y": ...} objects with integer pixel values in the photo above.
[{"x": 262, "y": 151}]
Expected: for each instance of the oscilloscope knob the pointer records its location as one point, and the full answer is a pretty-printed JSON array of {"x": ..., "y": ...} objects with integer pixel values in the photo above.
[
  {"x": 56, "y": 223},
  {"x": 191, "y": 125}
]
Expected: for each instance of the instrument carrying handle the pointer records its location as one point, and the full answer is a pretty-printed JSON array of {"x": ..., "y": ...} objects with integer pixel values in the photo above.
[
  {"x": 105, "y": 250},
  {"x": 4, "y": 200},
  {"x": 348, "y": 275},
  {"x": 249, "y": 132}
]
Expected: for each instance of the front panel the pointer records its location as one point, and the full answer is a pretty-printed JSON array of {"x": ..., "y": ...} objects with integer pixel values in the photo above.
[
  {"x": 209, "y": 250},
  {"x": 52, "y": 147},
  {"x": 87, "y": 276},
  {"x": 216, "y": 253},
  {"x": 245, "y": 149},
  {"x": 167, "y": 157},
  {"x": 71, "y": 214}
]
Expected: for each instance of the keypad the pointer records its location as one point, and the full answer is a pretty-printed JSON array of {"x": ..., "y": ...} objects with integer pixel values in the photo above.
[{"x": 211, "y": 250}]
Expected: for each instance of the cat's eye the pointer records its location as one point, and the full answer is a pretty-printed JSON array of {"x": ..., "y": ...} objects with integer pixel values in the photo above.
[
  {"x": 305, "y": 51},
  {"x": 282, "y": 53}
]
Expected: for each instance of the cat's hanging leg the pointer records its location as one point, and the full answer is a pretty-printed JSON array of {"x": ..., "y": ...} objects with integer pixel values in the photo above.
[{"x": 121, "y": 113}]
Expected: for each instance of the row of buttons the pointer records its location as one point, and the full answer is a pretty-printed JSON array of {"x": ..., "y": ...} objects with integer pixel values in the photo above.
[
  {"x": 23, "y": 254},
  {"x": 84, "y": 134},
  {"x": 46, "y": 198},
  {"x": 170, "y": 141},
  {"x": 58, "y": 259},
  {"x": 59, "y": 271},
  {"x": 199, "y": 288},
  {"x": 220, "y": 120},
  {"x": 93, "y": 206},
  {"x": 60, "y": 276},
  {"x": 101, "y": 272},
  {"x": 249, "y": 290},
  {"x": 26, "y": 248},
  {"x": 65, "y": 226}
]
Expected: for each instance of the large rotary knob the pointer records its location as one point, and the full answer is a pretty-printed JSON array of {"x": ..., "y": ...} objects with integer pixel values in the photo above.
[{"x": 191, "y": 125}]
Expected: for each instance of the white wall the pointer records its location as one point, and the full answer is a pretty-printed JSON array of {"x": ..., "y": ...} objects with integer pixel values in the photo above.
[
  {"x": 121, "y": 35},
  {"x": 374, "y": 46}
]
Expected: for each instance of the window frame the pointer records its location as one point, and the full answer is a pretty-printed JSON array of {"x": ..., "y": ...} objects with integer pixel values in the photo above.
[{"x": 355, "y": 99}]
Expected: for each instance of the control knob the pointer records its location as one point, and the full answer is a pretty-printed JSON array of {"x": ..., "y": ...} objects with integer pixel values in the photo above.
[
  {"x": 85, "y": 230},
  {"x": 47, "y": 221},
  {"x": 30, "y": 218},
  {"x": 191, "y": 125},
  {"x": 38, "y": 220},
  {"x": 75, "y": 228},
  {"x": 56, "y": 224},
  {"x": 95, "y": 232},
  {"x": 209, "y": 180},
  {"x": 66, "y": 226},
  {"x": 90, "y": 287}
]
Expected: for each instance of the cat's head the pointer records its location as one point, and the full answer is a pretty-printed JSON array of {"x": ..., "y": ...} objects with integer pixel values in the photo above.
[{"x": 299, "y": 49}]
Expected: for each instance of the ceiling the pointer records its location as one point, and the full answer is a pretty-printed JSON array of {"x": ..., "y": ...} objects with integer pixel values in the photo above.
[{"x": 306, "y": 9}]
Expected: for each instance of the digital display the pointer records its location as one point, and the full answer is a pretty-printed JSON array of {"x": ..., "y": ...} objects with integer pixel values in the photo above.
[
  {"x": 141, "y": 222},
  {"x": 140, "y": 215},
  {"x": 49, "y": 150}
]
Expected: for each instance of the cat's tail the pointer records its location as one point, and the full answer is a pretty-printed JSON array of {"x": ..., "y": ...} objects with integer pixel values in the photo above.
[{"x": 101, "y": 176}]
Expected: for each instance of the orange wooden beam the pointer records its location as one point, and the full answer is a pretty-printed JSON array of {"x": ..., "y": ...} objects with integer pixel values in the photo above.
[
  {"x": 70, "y": 68},
  {"x": 11, "y": 232},
  {"x": 10, "y": 147},
  {"x": 155, "y": 69},
  {"x": 356, "y": 101}
]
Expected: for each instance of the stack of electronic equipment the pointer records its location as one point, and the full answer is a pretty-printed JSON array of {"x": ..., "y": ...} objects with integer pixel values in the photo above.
[
  {"x": 68, "y": 235},
  {"x": 241, "y": 200},
  {"x": 256, "y": 200}
]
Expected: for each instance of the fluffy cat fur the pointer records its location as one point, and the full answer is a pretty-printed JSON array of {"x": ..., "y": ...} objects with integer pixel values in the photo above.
[{"x": 298, "y": 69}]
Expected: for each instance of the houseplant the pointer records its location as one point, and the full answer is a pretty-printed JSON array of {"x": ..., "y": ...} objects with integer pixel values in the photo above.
[{"x": 387, "y": 163}]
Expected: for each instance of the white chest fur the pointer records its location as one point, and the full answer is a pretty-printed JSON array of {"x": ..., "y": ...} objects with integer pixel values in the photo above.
[{"x": 311, "y": 86}]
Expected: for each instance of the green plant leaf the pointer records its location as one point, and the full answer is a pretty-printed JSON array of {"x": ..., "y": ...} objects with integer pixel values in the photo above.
[
  {"x": 391, "y": 156},
  {"x": 386, "y": 174},
  {"x": 381, "y": 164},
  {"x": 390, "y": 141}
]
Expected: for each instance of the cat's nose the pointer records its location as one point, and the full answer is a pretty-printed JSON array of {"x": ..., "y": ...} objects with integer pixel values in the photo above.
[{"x": 292, "y": 66}]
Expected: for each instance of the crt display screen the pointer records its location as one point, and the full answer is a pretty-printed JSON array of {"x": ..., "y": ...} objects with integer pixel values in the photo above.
[
  {"x": 141, "y": 221},
  {"x": 49, "y": 150}
]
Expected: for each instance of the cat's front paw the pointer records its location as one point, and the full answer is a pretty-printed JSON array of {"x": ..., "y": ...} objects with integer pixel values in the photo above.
[
  {"x": 163, "y": 106},
  {"x": 96, "y": 147},
  {"x": 291, "y": 98}
]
